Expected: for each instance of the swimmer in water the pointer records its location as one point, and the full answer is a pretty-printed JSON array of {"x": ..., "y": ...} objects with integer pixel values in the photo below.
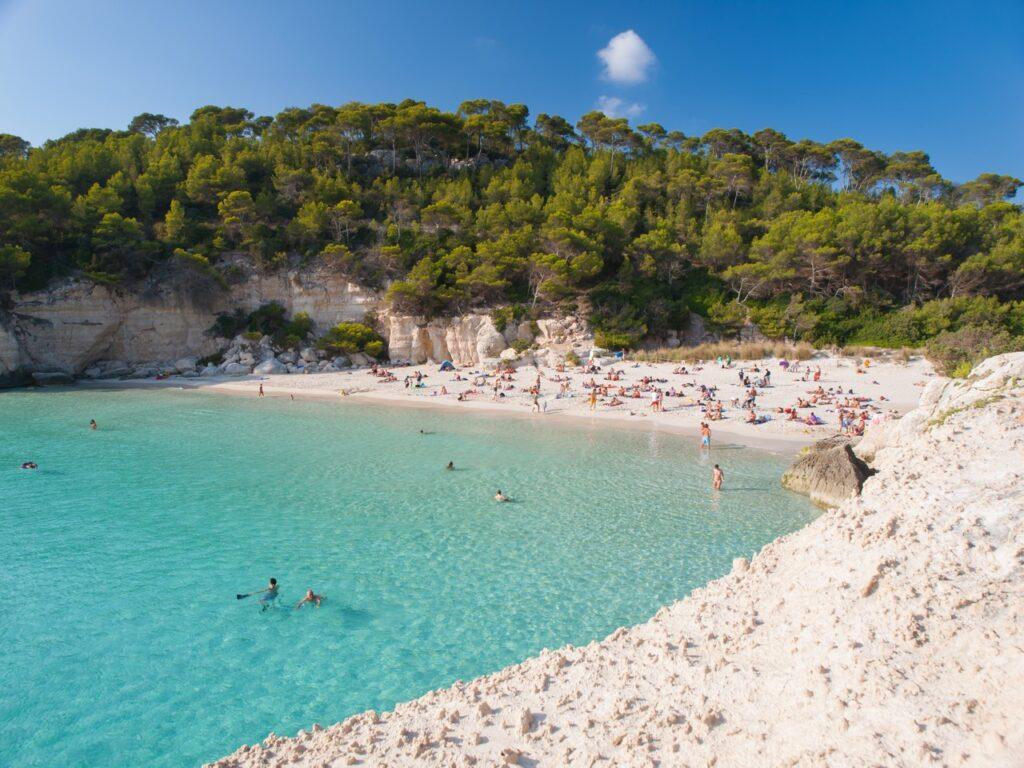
[
  {"x": 499, "y": 496},
  {"x": 93, "y": 424},
  {"x": 451, "y": 465},
  {"x": 269, "y": 594},
  {"x": 311, "y": 597},
  {"x": 30, "y": 465}
]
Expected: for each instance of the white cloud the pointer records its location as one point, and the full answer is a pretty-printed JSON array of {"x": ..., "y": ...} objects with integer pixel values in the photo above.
[
  {"x": 613, "y": 106},
  {"x": 627, "y": 58}
]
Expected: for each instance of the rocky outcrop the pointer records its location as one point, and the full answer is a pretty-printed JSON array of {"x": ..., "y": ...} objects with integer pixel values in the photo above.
[
  {"x": 72, "y": 325},
  {"x": 473, "y": 339},
  {"x": 828, "y": 471}
]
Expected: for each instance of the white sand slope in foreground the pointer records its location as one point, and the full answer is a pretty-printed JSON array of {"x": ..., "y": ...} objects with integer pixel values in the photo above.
[{"x": 888, "y": 632}]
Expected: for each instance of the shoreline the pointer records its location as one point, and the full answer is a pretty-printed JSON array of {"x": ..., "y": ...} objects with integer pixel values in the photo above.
[
  {"x": 681, "y": 416},
  {"x": 881, "y": 633}
]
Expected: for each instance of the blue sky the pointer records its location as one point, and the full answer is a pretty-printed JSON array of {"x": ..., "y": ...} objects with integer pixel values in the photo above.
[{"x": 945, "y": 77}]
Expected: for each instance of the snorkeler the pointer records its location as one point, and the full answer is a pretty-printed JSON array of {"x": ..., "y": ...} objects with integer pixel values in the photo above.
[
  {"x": 311, "y": 597},
  {"x": 30, "y": 465},
  {"x": 269, "y": 594}
]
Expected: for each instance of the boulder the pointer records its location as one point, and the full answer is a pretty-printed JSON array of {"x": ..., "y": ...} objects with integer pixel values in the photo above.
[
  {"x": 52, "y": 378},
  {"x": 508, "y": 355},
  {"x": 308, "y": 354},
  {"x": 236, "y": 369},
  {"x": 247, "y": 358},
  {"x": 186, "y": 364},
  {"x": 828, "y": 471},
  {"x": 270, "y": 366},
  {"x": 341, "y": 362},
  {"x": 359, "y": 359},
  {"x": 210, "y": 370},
  {"x": 288, "y": 357}
]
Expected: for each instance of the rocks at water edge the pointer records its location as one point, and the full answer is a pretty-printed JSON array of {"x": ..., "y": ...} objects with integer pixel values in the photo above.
[
  {"x": 52, "y": 379},
  {"x": 270, "y": 366},
  {"x": 828, "y": 471}
]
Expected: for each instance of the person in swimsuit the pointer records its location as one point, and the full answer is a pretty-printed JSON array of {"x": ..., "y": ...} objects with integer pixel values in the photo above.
[
  {"x": 261, "y": 391},
  {"x": 93, "y": 424},
  {"x": 717, "y": 478},
  {"x": 311, "y": 597},
  {"x": 451, "y": 465},
  {"x": 269, "y": 594},
  {"x": 499, "y": 496},
  {"x": 33, "y": 465},
  {"x": 705, "y": 435}
]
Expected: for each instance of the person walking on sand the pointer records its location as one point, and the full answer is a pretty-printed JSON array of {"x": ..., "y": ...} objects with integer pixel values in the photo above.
[
  {"x": 717, "y": 478},
  {"x": 593, "y": 398},
  {"x": 536, "y": 405},
  {"x": 261, "y": 390}
]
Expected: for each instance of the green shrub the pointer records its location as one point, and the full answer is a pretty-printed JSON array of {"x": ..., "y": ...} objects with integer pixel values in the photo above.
[
  {"x": 616, "y": 339},
  {"x": 954, "y": 353},
  {"x": 252, "y": 335},
  {"x": 347, "y": 338},
  {"x": 572, "y": 358},
  {"x": 502, "y": 317},
  {"x": 521, "y": 345}
]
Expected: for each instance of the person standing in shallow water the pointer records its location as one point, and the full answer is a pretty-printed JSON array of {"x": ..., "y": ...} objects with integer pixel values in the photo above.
[{"x": 717, "y": 478}]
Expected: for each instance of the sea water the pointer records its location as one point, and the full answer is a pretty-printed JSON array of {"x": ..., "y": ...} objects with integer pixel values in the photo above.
[{"x": 123, "y": 643}]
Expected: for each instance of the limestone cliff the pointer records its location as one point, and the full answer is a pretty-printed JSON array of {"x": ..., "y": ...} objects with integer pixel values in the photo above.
[{"x": 75, "y": 323}]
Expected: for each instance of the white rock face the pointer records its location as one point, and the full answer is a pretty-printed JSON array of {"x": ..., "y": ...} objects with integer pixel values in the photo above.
[
  {"x": 236, "y": 369},
  {"x": 271, "y": 366},
  {"x": 75, "y": 323},
  {"x": 890, "y": 631},
  {"x": 465, "y": 340},
  {"x": 186, "y": 364}
]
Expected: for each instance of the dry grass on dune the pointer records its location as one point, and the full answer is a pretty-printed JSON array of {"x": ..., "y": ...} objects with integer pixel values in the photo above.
[{"x": 738, "y": 351}]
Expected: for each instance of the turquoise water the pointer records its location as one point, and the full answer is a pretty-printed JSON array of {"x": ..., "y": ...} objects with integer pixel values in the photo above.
[{"x": 123, "y": 643}]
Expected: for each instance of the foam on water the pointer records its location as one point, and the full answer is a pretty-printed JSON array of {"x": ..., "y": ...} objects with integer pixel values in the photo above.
[{"x": 121, "y": 555}]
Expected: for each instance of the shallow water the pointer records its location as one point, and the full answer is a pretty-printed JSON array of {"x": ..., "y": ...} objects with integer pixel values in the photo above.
[{"x": 124, "y": 644}]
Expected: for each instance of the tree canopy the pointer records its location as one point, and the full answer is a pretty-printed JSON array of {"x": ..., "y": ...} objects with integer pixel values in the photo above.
[{"x": 479, "y": 208}]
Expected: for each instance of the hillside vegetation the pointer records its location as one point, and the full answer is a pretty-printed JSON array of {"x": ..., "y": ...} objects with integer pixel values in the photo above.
[{"x": 482, "y": 207}]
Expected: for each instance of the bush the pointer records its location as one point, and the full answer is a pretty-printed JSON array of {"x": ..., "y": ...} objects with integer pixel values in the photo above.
[
  {"x": 735, "y": 350},
  {"x": 347, "y": 338},
  {"x": 616, "y": 339},
  {"x": 503, "y": 316},
  {"x": 954, "y": 353},
  {"x": 521, "y": 345},
  {"x": 572, "y": 358},
  {"x": 252, "y": 335}
]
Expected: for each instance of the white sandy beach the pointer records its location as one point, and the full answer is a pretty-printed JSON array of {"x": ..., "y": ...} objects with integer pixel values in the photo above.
[
  {"x": 888, "y": 632},
  {"x": 899, "y": 383}
]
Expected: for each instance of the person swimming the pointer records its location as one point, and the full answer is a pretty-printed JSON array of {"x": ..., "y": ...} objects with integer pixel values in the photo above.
[
  {"x": 269, "y": 594},
  {"x": 311, "y": 597},
  {"x": 451, "y": 465},
  {"x": 33, "y": 465},
  {"x": 93, "y": 424},
  {"x": 499, "y": 496}
]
